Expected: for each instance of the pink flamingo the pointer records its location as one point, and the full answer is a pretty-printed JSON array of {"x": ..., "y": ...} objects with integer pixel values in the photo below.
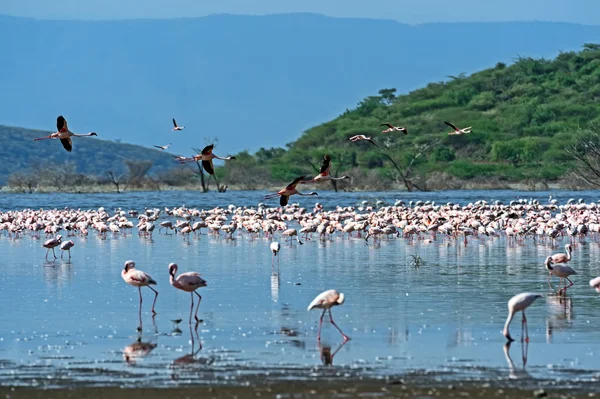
[
  {"x": 188, "y": 282},
  {"x": 66, "y": 246},
  {"x": 139, "y": 279},
  {"x": 326, "y": 300},
  {"x": 392, "y": 128},
  {"x": 64, "y": 134},
  {"x": 51, "y": 244},
  {"x": 563, "y": 257},
  {"x": 288, "y": 191},
  {"x": 359, "y": 137},
  {"x": 324, "y": 172},
  {"x": 176, "y": 126},
  {"x": 595, "y": 284},
  {"x": 561, "y": 271},
  {"x": 458, "y": 131},
  {"x": 206, "y": 156},
  {"x": 519, "y": 303}
]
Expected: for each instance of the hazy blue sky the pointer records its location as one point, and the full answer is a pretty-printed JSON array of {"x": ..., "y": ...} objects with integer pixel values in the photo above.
[{"x": 406, "y": 11}]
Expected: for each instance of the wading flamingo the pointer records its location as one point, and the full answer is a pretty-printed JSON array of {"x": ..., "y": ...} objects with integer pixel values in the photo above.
[
  {"x": 519, "y": 303},
  {"x": 176, "y": 126},
  {"x": 163, "y": 147},
  {"x": 51, "y": 244},
  {"x": 360, "y": 137},
  {"x": 66, "y": 246},
  {"x": 275, "y": 247},
  {"x": 561, "y": 271},
  {"x": 392, "y": 128},
  {"x": 324, "y": 172},
  {"x": 289, "y": 191},
  {"x": 458, "y": 131},
  {"x": 139, "y": 279},
  {"x": 563, "y": 257},
  {"x": 64, "y": 134},
  {"x": 188, "y": 282},
  {"x": 326, "y": 300}
]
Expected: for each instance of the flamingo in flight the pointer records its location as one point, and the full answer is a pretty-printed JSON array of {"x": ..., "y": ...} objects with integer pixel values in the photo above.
[
  {"x": 139, "y": 279},
  {"x": 561, "y": 271},
  {"x": 392, "y": 128},
  {"x": 359, "y": 137},
  {"x": 289, "y": 191},
  {"x": 519, "y": 303},
  {"x": 324, "y": 172},
  {"x": 206, "y": 156},
  {"x": 163, "y": 147},
  {"x": 64, "y": 134},
  {"x": 458, "y": 131},
  {"x": 177, "y": 127},
  {"x": 188, "y": 282},
  {"x": 326, "y": 300}
]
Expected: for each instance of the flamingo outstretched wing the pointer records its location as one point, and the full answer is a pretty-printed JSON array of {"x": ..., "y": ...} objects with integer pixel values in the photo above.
[
  {"x": 67, "y": 143},
  {"x": 326, "y": 165},
  {"x": 208, "y": 149},
  {"x": 388, "y": 125},
  {"x": 174, "y": 123},
  {"x": 283, "y": 200},
  {"x": 451, "y": 125},
  {"x": 208, "y": 167},
  {"x": 61, "y": 124},
  {"x": 293, "y": 184}
]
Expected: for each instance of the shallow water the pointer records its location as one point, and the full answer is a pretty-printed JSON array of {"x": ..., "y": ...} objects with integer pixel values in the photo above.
[{"x": 66, "y": 323}]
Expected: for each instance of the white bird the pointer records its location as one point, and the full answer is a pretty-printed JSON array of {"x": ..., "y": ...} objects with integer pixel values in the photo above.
[
  {"x": 176, "y": 126},
  {"x": 66, "y": 246},
  {"x": 519, "y": 303},
  {"x": 595, "y": 283},
  {"x": 458, "y": 131},
  {"x": 163, "y": 147},
  {"x": 561, "y": 271},
  {"x": 326, "y": 300},
  {"x": 275, "y": 247}
]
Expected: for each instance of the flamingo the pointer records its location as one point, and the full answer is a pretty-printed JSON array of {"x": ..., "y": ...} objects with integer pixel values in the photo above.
[
  {"x": 359, "y": 137},
  {"x": 139, "y": 279},
  {"x": 561, "y": 271},
  {"x": 275, "y": 247},
  {"x": 289, "y": 191},
  {"x": 176, "y": 126},
  {"x": 64, "y": 134},
  {"x": 519, "y": 303},
  {"x": 51, "y": 244},
  {"x": 326, "y": 300},
  {"x": 163, "y": 147},
  {"x": 66, "y": 246},
  {"x": 188, "y": 282},
  {"x": 595, "y": 284},
  {"x": 562, "y": 257},
  {"x": 324, "y": 172},
  {"x": 458, "y": 131},
  {"x": 392, "y": 128},
  {"x": 206, "y": 156}
]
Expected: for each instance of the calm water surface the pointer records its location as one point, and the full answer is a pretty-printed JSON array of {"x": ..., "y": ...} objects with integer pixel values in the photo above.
[{"x": 64, "y": 323}]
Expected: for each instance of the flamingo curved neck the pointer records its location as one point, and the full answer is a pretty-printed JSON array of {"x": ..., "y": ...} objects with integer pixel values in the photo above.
[{"x": 511, "y": 314}]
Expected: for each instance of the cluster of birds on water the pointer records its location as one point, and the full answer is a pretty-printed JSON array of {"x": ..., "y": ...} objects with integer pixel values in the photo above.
[{"x": 427, "y": 222}]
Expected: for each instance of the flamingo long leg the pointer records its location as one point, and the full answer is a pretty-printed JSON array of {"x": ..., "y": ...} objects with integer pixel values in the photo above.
[
  {"x": 191, "y": 308},
  {"x": 155, "y": 297},
  {"x": 346, "y": 338},
  {"x": 320, "y": 325},
  {"x": 53, "y": 253},
  {"x": 197, "y": 307}
]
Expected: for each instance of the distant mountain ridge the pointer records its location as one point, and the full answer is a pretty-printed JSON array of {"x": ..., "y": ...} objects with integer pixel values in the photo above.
[{"x": 250, "y": 81}]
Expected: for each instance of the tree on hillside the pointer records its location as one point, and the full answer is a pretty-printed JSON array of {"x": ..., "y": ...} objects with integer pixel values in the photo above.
[
  {"x": 405, "y": 169},
  {"x": 138, "y": 171},
  {"x": 387, "y": 95},
  {"x": 26, "y": 182},
  {"x": 586, "y": 151},
  {"x": 116, "y": 179}
]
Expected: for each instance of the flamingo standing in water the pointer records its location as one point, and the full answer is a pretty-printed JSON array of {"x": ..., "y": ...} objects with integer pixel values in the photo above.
[
  {"x": 519, "y": 303},
  {"x": 561, "y": 271},
  {"x": 324, "y": 172},
  {"x": 51, "y": 244},
  {"x": 139, "y": 279},
  {"x": 188, "y": 282},
  {"x": 66, "y": 246},
  {"x": 176, "y": 126},
  {"x": 275, "y": 247},
  {"x": 392, "y": 128},
  {"x": 458, "y": 131},
  {"x": 359, "y": 137},
  {"x": 289, "y": 191},
  {"x": 326, "y": 300},
  {"x": 64, "y": 134}
]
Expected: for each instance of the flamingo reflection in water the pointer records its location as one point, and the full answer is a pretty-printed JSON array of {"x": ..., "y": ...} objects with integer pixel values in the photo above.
[
  {"x": 326, "y": 354},
  {"x": 191, "y": 358},
  {"x": 137, "y": 350},
  {"x": 560, "y": 314},
  {"x": 515, "y": 373}
]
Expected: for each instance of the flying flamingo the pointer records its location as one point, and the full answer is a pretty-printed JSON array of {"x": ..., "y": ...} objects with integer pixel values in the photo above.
[
  {"x": 324, "y": 172},
  {"x": 519, "y": 303},
  {"x": 359, "y": 137},
  {"x": 66, "y": 246},
  {"x": 51, "y": 244},
  {"x": 188, "y": 282},
  {"x": 561, "y": 271},
  {"x": 163, "y": 147},
  {"x": 563, "y": 257},
  {"x": 458, "y": 131},
  {"x": 64, "y": 134},
  {"x": 176, "y": 126},
  {"x": 392, "y": 128},
  {"x": 595, "y": 284},
  {"x": 275, "y": 247},
  {"x": 206, "y": 156},
  {"x": 289, "y": 191},
  {"x": 139, "y": 279},
  {"x": 326, "y": 300}
]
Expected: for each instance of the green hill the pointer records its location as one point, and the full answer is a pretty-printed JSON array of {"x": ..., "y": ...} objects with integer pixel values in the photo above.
[
  {"x": 523, "y": 117},
  {"x": 91, "y": 156}
]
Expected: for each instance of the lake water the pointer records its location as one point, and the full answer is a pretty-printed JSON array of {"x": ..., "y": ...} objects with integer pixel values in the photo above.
[{"x": 65, "y": 323}]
